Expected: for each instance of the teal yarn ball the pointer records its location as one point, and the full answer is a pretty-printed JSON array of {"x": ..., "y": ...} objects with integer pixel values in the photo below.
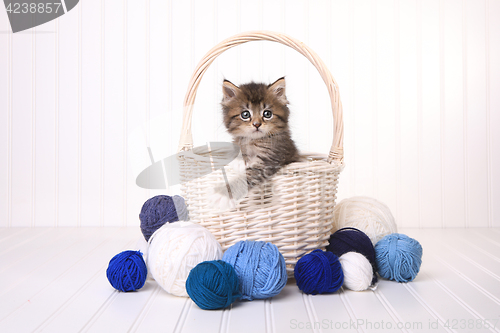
[
  {"x": 260, "y": 267},
  {"x": 213, "y": 285},
  {"x": 319, "y": 272},
  {"x": 127, "y": 271},
  {"x": 398, "y": 257}
]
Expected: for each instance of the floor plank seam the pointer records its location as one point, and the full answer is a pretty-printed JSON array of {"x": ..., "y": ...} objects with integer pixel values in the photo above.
[
  {"x": 349, "y": 308},
  {"x": 492, "y": 241},
  {"x": 29, "y": 254},
  {"x": 269, "y": 316},
  {"x": 225, "y": 320},
  {"x": 388, "y": 307},
  {"x": 100, "y": 311},
  {"x": 484, "y": 252},
  {"x": 473, "y": 262},
  {"x": 470, "y": 281},
  {"x": 69, "y": 269},
  {"x": 24, "y": 241},
  {"x": 181, "y": 321},
  {"x": 311, "y": 313},
  {"x": 426, "y": 306},
  {"x": 145, "y": 310},
  {"x": 461, "y": 302},
  {"x": 63, "y": 306}
]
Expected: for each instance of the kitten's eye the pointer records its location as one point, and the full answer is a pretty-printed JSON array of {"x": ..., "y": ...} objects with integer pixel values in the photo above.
[
  {"x": 245, "y": 115},
  {"x": 267, "y": 114}
]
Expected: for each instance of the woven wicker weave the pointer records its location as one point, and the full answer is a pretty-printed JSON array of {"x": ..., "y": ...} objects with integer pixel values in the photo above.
[{"x": 293, "y": 210}]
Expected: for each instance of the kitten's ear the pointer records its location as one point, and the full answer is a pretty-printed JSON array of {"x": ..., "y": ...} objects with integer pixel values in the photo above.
[
  {"x": 278, "y": 88},
  {"x": 229, "y": 90}
]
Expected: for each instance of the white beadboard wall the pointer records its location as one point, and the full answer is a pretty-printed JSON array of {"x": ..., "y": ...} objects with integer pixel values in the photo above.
[{"x": 82, "y": 97}]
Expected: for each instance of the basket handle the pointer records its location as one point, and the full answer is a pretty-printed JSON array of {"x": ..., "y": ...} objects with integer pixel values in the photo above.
[{"x": 336, "y": 151}]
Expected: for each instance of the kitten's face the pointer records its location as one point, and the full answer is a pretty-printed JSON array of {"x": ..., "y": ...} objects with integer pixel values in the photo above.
[{"x": 255, "y": 110}]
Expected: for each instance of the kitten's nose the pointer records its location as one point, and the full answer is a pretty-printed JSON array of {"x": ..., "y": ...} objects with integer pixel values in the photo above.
[{"x": 257, "y": 124}]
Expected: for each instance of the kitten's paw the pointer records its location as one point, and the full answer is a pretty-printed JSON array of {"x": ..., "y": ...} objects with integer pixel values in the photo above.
[
  {"x": 238, "y": 165},
  {"x": 220, "y": 201}
]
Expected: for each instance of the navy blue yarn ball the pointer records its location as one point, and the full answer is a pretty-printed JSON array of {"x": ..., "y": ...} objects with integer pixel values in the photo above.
[
  {"x": 127, "y": 271},
  {"x": 319, "y": 272},
  {"x": 213, "y": 285},
  {"x": 353, "y": 240},
  {"x": 159, "y": 210}
]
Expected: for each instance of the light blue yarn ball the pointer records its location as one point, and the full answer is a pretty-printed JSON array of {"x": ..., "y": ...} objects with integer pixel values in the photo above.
[
  {"x": 398, "y": 257},
  {"x": 260, "y": 267}
]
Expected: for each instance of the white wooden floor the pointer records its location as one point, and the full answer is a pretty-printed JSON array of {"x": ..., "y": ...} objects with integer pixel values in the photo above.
[{"x": 54, "y": 280}]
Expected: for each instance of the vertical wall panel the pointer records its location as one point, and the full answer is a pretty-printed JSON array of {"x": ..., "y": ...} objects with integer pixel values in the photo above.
[
  {"x": 137, "y": 103},
  {"x": 493, "y": 12},
  {"x": 183, "y": 61},
  {"x": 409, "y": 184},
  {"x": 68, "y": 119},
  {"x": 296, "y": 70},
  {"x": 227, "y": 64},
  {"x": 206, "y": 104},
  {"x": 251, "y": 57},
  {"x": 45, "y": 126},
  {"x": 318, "y": 108},
  {"x": 476, "y": 116},
  {"x": 92, "y": 113},
  {"x": 114, "y": 140},
  {"x": 430, "y": 136},
  {"x": 22, "y": 129},
  {"x": 160, "y": 111},
  {"x": 384, "y": 85},
  {"x": 363, "y": 109},
  {"x": 453, "y": 135},
  {"x": 5, "y": 119},
  {"x": 273, "y": 19},
  {"x": 341, "y": 63}
]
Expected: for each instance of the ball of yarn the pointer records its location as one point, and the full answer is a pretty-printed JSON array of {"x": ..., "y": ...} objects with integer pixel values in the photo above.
[
  {"x": 358, "y": 272},
  {"x": 213, "y": 285},
  {"x": 398, "y": 257},
  {"x": 127, "y": 271},
  {"x": 319, "y": 272},
  {"x": 159, "y": 210},
  {"x": 260, "y": 267},
  {"x": 353, "y": 240},
  {"x": 175, "y": 249},
  {"x": 366, "y": 214}
]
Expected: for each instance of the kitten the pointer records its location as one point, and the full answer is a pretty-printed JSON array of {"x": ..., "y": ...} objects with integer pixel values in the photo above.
[{"x": 256, "y": 116}]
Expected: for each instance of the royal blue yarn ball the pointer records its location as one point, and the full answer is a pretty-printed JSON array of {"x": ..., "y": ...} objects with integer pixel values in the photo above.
[
  {"x": 353, "y": 240},
  {"x": 398, "y": 257},
  {"x": 260, "y": 267},
  {"x": 319, "y": 272},
  {"x": 159, "y": 210},
  {"x": 127, "y": 271},
  {"x": 213, "y": 285}
]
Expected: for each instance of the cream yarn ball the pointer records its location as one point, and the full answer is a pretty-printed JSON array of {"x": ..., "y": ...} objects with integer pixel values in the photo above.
[
  {"x": 175, "y": 249},
  {"x": 366, "y": 214},
  {"x": 358, "y": 272}
]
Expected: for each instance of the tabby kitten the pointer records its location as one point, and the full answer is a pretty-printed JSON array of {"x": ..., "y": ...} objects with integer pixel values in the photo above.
[{"x": 256, "y": 116}]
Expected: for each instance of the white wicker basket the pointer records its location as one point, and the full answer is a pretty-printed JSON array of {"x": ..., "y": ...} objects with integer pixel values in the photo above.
[{"x": 294, "y": 210}]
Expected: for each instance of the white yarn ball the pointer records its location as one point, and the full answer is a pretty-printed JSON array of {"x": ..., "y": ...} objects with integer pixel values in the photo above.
[
  {"x": 358, "y": 272},
  {"x": 175, "y": 249},
  {"x": 143, "y": 246},
  {"x": 366, "y": 214}
]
